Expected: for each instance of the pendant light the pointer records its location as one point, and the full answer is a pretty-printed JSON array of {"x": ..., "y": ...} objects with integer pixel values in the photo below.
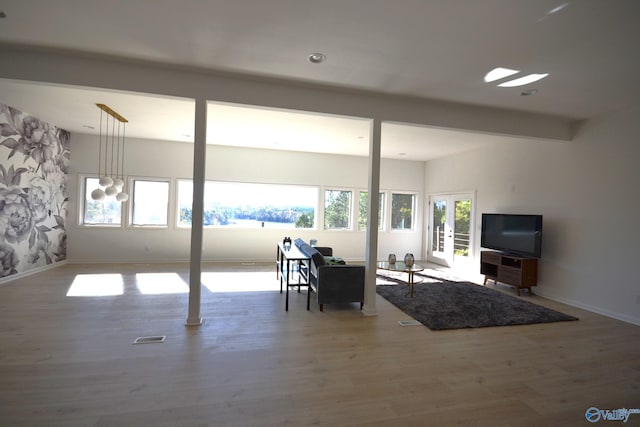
[
  {"x": 111, "y": 180},
  {"x": 98, "y": 193}
]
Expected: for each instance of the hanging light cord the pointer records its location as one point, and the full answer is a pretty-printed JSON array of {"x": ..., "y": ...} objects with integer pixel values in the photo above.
[
  {"x": 118, "y": 154},
  {"x": 106, "y": 145},
  {"x": 100, "y": 144},
  {"x": 113, "y": 132},
  {"x": 124, "y": 128}
]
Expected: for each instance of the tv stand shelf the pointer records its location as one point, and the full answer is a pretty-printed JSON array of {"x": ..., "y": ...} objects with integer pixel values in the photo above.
[{"x": 517, "y": 271}]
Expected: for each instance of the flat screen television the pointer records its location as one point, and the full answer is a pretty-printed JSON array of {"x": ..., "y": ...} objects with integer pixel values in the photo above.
[{"x": 514, "y": 234}]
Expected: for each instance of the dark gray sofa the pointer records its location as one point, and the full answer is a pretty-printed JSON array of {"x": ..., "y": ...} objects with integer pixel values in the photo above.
[{"x": 332, "y": 282}]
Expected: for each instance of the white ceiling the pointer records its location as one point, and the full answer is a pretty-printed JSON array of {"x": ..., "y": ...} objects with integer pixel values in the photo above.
[{"x": 431, "y": 49}]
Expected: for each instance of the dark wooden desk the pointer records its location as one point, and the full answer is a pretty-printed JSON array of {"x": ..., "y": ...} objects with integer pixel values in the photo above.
[{"x": 292, "y": 268}]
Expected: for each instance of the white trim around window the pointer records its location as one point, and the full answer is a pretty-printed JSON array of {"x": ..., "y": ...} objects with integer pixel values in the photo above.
[
  {"x": 397, "y": 222},
  {"x": 97, "y": 214},
  {"x": 150, "y": 200}
]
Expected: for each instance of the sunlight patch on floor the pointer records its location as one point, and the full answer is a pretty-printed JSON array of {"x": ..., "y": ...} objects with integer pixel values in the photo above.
[
  {"x": 96, "y": 285},
  {"x": 237, "y": 281},
  {"x": 160, "y": 283}
]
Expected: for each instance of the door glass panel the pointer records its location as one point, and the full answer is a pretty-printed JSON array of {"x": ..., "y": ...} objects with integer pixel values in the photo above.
[
  {"x": 439, "y": 216},
  {"x": 462, "y": 228}
]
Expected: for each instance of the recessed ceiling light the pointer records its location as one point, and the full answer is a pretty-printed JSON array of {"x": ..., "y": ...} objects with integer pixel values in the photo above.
[
  {"x": 317, "y": 58},
  {"x": 529, "y": 92},
  {"x": 499, "y": 73},
  {"x": 88, "y": 126},
  {"x": 524, "y": 80},
  {"x": 402, "y": 154}
]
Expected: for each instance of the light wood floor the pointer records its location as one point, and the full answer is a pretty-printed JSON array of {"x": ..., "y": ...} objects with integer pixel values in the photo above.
[{"x": 69, "y": 360}]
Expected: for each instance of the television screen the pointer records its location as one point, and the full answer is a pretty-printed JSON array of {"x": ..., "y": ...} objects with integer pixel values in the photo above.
[{"x": 516, "y": 234}]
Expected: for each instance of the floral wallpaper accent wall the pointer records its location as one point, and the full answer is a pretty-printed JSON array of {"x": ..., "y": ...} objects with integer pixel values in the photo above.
[{"x": 34, "y": 164}]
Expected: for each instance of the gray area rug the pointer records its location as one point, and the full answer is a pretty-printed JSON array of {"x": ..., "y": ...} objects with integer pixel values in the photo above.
[{"x": 441, "y": 304}]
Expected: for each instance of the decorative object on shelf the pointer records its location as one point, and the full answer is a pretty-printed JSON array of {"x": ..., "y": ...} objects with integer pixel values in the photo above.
[
  {"x": 114, "y": 143},
  {"x": 392, "y": 258},
  {"x": 286, "y": 243},
  {"x": 409, "y": 260}
]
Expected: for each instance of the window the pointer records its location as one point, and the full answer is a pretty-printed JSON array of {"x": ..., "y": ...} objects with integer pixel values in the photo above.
[
  {"x": 248, "y": 205},
  {"x": 107, "y": 212},
  {"x": 185, "y": 202},
  {"x": 402, "y": 211},
  {"x": 150, "y": 203},
  {"x": 363, "y": 210},
  {"x": 337, "y": 209}
]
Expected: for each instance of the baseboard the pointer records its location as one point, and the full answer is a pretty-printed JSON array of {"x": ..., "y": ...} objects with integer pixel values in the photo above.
[
  {"x": 32, "y": 271},
  {"x": 170, "y": 261},
  {"x": 597, "y": 310},
  {"x": 127, "y": 261},
  {"x": 184, "y": 260}
]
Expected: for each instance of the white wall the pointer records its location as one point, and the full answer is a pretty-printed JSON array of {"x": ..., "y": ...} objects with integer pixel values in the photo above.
[
  {"x": 162, "y": 159},
  {"x": 587, "y": 190}
]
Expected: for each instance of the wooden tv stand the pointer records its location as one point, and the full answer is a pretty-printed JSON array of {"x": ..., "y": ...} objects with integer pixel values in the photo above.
[{"x": 517, "y": 271}]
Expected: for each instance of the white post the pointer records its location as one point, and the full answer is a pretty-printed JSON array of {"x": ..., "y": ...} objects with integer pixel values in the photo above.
[
  {"x": 199, "y": 167},
  {"x": 371, "y": 255}
]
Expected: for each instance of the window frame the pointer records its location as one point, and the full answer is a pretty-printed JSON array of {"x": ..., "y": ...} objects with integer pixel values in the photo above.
[
  {"x": 82, "y": 206},
  {"x": 381, "y": 207},
  {"x": 413, "y": 211},
  {"x": 132, "y": 206},
  {"x": 316, "y": 213},
  {"x": 350, "y": 210}
]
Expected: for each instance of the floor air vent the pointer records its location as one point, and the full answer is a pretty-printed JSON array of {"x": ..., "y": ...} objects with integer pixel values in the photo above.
[
  {"x": 409, "y": 323},
  {"x": 149, "y": 340}
]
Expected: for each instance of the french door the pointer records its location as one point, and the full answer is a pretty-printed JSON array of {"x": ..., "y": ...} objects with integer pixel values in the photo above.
[{"x": 450, "y": 231}]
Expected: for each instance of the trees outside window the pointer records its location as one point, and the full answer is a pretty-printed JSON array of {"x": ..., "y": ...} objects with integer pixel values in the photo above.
[
  {"x": 337, "y": 209},
  {"x": 363, "y": 209},
  {"x": 107, "y": 212},
  {"x": 462, "y": 227},
  {"x": 248, "y": 205},
  {"x": 402, "y": 207}
]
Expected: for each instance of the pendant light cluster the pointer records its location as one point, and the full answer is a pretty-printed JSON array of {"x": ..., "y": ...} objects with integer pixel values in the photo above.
[{"x": 112, "y": 140}]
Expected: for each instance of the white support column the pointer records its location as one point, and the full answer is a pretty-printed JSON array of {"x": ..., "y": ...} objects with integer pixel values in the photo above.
[
  {"x": 199, "y": 167},
  {"x": 371, "y": 255}
]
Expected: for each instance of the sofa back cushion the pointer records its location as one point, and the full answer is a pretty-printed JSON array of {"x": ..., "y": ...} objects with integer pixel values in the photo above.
[{"x": 318, "y": 259}]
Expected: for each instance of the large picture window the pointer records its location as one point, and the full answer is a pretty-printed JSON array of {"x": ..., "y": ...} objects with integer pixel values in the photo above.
[
  {"x": 402, "y": 208},
  {"x": 107, "y": 212},
  {"x": 337, "y": 209},
  {"x": 150, "y": 203},
  {"x": 363, "y": 210},
  {"x": 248, "y": 205}
]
